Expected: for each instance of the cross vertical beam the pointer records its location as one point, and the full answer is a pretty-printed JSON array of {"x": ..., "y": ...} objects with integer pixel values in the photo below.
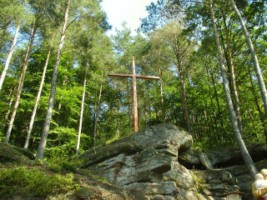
[
  {"x": 135, "y": 103},
  {"x": 134, "y": 76}
]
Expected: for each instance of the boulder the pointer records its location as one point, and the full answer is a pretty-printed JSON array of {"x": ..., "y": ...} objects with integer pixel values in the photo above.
[{"x": 148, "y": 163}]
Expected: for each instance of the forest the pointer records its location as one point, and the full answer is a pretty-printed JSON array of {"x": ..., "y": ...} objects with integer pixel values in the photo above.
[{"x": 57, "y": 98}]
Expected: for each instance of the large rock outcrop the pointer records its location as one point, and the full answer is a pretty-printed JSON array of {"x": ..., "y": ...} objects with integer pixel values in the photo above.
[{"x": 158, "y": 163}]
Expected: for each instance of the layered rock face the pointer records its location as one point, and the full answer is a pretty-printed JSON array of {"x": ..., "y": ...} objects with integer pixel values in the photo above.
[{"x": 157, "y": 163}]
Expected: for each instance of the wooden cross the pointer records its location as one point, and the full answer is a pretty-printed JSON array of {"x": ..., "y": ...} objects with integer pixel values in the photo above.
[{"x": 134, "y": 76}]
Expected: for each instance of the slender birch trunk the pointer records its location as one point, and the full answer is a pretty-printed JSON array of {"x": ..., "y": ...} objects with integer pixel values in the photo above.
[
  {"x": 42, "y": 145},
  {"x": 21, "y": 82},
  {"x": 9, "y": 57},
  {"x": 254, "y": 57},
  {"x": 82, "y": 109},
  {"x": 26, "y": 145},
  {"x": 245, "y": 154}
]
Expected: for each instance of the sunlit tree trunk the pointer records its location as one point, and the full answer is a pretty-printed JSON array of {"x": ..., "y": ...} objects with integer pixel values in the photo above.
[
  {"x": 21, "y": 82},
  {"x": 9, "y": 57},
  {"x": 245, "y": 154},
  {"x": 37, "y": 101},
  {"x": 254, "y": 57},
  {"x": 42, "y": 145},
  {"x": 82, "y": 109}
]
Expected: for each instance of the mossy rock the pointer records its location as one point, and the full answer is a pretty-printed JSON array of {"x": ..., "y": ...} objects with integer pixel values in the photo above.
[{"x": 12, "y": 154}]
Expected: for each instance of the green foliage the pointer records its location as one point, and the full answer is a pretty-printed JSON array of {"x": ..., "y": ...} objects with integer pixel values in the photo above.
[
  {"x": 21, "y": 181},
  {"x": 155, "y": 55},
  {"x": 62, "y": 141}
]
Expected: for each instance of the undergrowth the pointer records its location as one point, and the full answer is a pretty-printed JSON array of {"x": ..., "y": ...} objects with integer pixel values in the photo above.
[
  {"x": 21, "y": 181},
  {"x": 63, "y": 164}
]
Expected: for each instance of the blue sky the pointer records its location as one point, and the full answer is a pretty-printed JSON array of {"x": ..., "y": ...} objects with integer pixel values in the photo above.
[{"x": 129, "y": 11}]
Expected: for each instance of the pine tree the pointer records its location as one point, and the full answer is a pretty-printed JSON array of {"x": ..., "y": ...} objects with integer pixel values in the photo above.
[{"x": 42, "y": 144}]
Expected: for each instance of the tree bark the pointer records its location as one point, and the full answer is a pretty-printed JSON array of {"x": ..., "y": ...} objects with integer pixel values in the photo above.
[
  {"x": 9, "y": 57},
  {"x": 254, "y": 57},
  {"x": 245, "y": 154},
  {"x": 21, "y": 82},
  {"x": 42, "y": 145},
  {"x": 82, "y": 109},
  {"x": 26, "y": 145}
]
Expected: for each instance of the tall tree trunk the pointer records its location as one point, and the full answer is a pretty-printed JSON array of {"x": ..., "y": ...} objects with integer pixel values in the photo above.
[
  {"x": 183, "y": 98},
  {"x": 37, "y": 101},
  {"x": 82, "y": 109},
  {"x": 42, "y": 145},
  {"x": 96, "y": 114},
  {"x": 245, "y": 154},
  {"x": 9, "y": 56},
  {"x": 254, "y": 57},
  {"x": 21, "y": 82},
  {"x": 231, "y": 67},
  {"x": 145, "y": 113},
  {"x": 162, "y": 98}
]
